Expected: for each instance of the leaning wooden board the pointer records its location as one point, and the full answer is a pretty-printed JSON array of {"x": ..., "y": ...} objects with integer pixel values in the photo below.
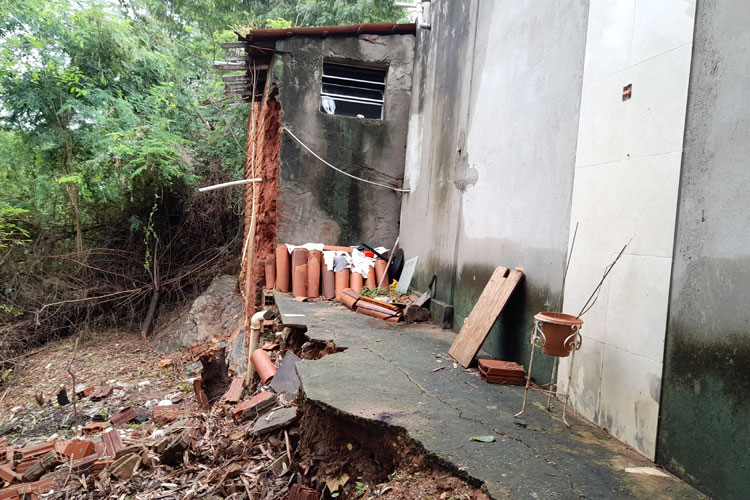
[{"x": 486, "y": 311}]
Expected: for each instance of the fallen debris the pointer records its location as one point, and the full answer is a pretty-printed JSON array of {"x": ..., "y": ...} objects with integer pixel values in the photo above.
[{"x": 501, "y": 372}]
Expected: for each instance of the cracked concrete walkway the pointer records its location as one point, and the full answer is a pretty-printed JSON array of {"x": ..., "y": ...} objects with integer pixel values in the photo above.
[{"x": 386, "y": 375}]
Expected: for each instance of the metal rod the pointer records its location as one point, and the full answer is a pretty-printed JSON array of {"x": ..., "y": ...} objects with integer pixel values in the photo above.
[
  {"x": 229, "y": 184},
  {"x": 528, "y": 377},
  {"x": 552, "y": 384},
  {"x": 390, "y": 256}
]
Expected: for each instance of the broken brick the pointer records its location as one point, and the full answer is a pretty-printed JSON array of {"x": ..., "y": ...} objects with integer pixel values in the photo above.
[
  {"x": 254, "y": 406},
  {"x": 235, "y": 390},
  {"x": 94, "y": 427},
  {"x": 8, "y": 475},
  {"x": 79, "y": 448},
  {"x": 112, "y": 442},
  {"x": 166, "y": 414},
  {"x": 37, "y": 449},
  {"x": 82, "y": 393},
  {"x": 299, "y": 492},
  {"x": 126, "y": 415},
  {"x": 101, "y": 392}
]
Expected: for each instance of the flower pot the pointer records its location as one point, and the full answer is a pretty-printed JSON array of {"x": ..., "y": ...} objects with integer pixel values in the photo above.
[{"x": 559, "y": 332}]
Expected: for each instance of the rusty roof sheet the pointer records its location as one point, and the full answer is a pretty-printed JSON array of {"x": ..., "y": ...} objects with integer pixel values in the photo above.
[{"x": 324, "y": 31}]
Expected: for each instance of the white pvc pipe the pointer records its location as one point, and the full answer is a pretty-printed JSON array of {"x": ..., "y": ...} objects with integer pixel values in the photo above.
[
  {"x": 229, "y": 184},
  {"x": 256, "y": 324}
]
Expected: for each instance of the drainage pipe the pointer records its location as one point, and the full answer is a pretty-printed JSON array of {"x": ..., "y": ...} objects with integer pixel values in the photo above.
[{"x": 256, "y": 323}]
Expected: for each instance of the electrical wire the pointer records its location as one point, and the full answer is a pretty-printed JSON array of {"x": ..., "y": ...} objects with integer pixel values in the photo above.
[{"x": 398, "y": 190}]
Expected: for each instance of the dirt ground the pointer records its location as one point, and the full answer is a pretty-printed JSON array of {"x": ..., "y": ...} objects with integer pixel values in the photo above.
[{"x": 119, "y": 359}]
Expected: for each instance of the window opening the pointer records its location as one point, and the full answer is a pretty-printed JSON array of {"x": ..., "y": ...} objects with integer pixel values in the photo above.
[{"x": 352, "y": 91}]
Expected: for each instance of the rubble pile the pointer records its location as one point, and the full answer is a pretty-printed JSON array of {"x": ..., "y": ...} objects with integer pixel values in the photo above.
[{"x": 227, "y": 446}]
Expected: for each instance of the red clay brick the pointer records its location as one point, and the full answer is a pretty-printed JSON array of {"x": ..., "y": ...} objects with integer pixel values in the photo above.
[
  {"x": 112, "y": 442},
  {"x": 166, "y": 414},
  {"x": 101, "y": 392},
  {"x": 126, "y": 415},
  {"x": 79, "y": 448},
  {"x": 235, "y": 390}
]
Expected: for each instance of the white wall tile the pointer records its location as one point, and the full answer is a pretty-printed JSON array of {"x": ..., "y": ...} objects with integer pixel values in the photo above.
[
  {"x": 625, "y": 201},
  {"x": 608, "y": 38},
  {"x": 655, "y": 114},
  {"x": 586, "y": 380},
  {"x": 637, "y": 306},
  {"x": 600, "y": 131},
  {"x": 660, "y": 26},
  {"x": 584, "y": 273},
  {"x": 629, "y": 399}
]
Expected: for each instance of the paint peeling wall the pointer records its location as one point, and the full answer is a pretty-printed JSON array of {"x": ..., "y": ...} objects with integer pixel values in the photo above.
[
  {"x": 491, "y": 151},
  {"x": 705, "y": 413},
  {"x": 316, "y": 203}
]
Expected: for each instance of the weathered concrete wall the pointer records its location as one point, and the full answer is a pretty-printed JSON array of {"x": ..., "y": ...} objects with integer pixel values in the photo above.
[
  {"x": 705, "y": 413},
  {"x": 317, "y": 204},
  {"x": 491, "y": 153}
]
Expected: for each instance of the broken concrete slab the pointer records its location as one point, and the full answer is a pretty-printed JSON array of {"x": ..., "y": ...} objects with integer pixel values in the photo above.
[
  {"x": 385, "y": 376},
  {"x": 277, "y": 419},
  {"x": 286, "y": 380}
]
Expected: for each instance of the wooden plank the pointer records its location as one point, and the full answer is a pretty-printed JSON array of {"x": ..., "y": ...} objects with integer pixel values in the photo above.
[{"x": 484, "y": 314}]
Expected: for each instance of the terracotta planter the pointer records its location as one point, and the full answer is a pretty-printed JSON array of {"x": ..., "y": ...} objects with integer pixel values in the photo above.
[
  {"x": 381, "y": 269},
  {"x": 342, "y": 282},
  {"x": 270, "y": 273},
  {"x": 370, "y": 282},
  {"x": 356, "y": 281},
  {"x": 299, "y": 272},
  {"x": 559, "y": 332},
  {"x": 328, "y": 281},
  {"x": 313, "y": 273},
  {"x": 263, "y": 365},
  {"x": 283, "y": 266}
]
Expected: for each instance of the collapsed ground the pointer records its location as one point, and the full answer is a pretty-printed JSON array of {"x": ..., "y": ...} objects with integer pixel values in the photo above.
[{"x": 191, "y": 452}]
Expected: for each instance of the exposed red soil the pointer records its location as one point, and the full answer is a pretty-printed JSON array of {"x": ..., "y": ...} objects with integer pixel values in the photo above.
[{"x": 264, "y": 144}]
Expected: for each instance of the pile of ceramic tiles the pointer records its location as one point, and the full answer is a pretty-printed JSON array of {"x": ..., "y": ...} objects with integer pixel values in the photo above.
[{"x": 501, "y": 372}]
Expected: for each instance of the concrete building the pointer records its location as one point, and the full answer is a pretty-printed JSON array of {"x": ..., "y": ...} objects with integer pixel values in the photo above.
[
  {"x": 625, "y": 120},
  {"x": 521, "y": 130}
]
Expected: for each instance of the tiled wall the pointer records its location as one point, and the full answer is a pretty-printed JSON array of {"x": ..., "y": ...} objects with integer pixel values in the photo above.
[{"x": 625, "y": 190}]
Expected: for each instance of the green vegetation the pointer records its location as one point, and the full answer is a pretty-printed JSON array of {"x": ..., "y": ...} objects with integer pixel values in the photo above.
[{"x": 110, "y": 116}]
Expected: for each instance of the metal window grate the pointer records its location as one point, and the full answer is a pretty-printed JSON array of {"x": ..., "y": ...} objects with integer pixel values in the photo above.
[{"x": 352, "y": 91}]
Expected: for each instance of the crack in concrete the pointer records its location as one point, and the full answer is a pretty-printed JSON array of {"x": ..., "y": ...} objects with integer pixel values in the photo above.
[{"x": 548, "y": 461}]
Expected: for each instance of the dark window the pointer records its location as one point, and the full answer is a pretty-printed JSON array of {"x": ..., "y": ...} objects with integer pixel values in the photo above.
[{"x": 352, "y": 91}]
